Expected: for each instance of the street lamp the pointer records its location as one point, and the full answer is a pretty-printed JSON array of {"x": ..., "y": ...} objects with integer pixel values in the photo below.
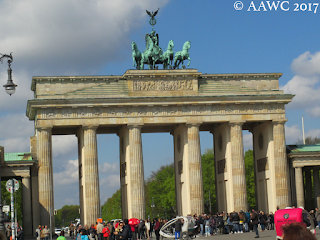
[{"x": 10, "y": 87}]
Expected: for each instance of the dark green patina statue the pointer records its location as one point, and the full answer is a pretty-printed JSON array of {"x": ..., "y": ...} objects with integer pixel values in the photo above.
[{"x": 153, "y": 54}]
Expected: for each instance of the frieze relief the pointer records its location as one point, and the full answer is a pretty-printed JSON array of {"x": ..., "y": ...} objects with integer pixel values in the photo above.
[
  {"x": 164, "y": 85},
  {"x": 157, "y": 111}
]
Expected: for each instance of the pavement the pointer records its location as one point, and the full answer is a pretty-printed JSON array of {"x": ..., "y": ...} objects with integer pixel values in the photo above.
[{"x": 265, "y": 235}]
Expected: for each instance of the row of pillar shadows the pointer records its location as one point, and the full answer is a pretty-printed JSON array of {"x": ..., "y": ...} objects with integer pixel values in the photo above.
[{"x": 231, "y": 195}]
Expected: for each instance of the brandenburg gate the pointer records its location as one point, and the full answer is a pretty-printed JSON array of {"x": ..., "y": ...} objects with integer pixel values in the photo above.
[{"x": 182, "y": 102}]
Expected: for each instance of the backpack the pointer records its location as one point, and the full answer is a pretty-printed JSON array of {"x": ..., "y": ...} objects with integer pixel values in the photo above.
[
  {"x": 220, "y": 222},
  {"x": 37, "y": 234}
]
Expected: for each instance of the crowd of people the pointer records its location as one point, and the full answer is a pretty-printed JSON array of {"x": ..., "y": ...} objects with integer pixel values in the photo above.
[
  {"x": 205, "y": 225},
  {"x": 20, "y": 233}
]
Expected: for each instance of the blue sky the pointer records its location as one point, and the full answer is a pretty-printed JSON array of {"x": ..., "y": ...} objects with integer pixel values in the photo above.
[{"x": 58, "y": 37}]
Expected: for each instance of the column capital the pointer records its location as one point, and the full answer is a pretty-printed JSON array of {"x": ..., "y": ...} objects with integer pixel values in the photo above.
[
  {"x": 193, "y": 124},
  {"x": 233, "y": 123},
  {"x": 279, "y": 121},
  {"x": 44, "y": 128},
  {"x": 135, "y": 125},
  {"x": 85, "y": 127}
]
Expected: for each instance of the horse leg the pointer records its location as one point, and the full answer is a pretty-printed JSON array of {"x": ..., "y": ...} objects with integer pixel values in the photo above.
[{"x": 189, "y": 61}]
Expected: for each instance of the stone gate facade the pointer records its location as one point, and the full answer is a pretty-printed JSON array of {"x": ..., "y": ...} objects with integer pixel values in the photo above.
[{"x": 182, "y": 102}]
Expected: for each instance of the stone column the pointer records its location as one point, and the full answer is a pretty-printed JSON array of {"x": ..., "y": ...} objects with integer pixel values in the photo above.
[
  {"x": 45, "y": 175},
  {"x": 195, "y": 169},
  {"x": 281, "y": 165},
  {"x": 238, "y": 167},
  {"x": 91, "y": 172},
  {"x": 299, "y": 187},
  {"x": 316, "y": 185},
  {"x": 136, "y": 173},
  {"x": 309, "y": 201},
  {"x": 26, "y": 206}
]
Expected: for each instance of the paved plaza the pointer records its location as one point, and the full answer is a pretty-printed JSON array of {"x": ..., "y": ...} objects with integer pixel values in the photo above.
[{"x": 266, "y": 235}]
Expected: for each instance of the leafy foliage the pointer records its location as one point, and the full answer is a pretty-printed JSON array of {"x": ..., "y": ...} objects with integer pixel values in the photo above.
[
  {"x": 111, "y": 209},
  {"x": 6, "y": 200},
  {"x": 248, "y": 160},
  {"x": 309, "y": 141},
  {"x": 66, "y": 215},
  {"x": 208, "y": 177},
  {"x": 160, "y": 187}
]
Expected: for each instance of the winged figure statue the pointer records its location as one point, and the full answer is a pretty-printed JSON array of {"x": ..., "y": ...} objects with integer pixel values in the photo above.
[{"x": 153, "y": 14}]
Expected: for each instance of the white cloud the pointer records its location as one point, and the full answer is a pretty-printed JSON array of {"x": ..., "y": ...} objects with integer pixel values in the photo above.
[
  {"x": 109, "y": 168},
  {"x": 293, "y": 134},
  {"x": 69, "y": 175},
  {"x": 64, "y": 145},
  {"x": 110, "y": 181},
  {"x": 58, "y": 36},
  {"x": 16, "y": 131},
  {"x": 305, "y": 84},
  {"x": 307, "y": 64}
]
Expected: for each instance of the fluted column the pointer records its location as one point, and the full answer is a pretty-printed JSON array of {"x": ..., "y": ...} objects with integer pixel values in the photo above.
[
  {"x": 299, "y": 187},
  {"x": 26, "y": 208},
  {"x": 281, "y": 165},
  {"x": 91, "y": 172},
  {"x": 136, "y": 172},
  {"x": 195, "y": 169},
  {"x": 45, "y": 175},
  {"x": 316, "y": 185},
  {"x": 238, "y": 167}
]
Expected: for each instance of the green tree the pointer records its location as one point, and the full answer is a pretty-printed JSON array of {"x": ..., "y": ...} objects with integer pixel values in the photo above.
[
  {"x": 111, "y": 209},
  {"x": 309, "y": 141},
  {"x": 161, "y": 186},
  {"x": 6, "y": 200},
  {"x": 66, "y": 215},
  {"x": 208, "y": 177},
  {"x": 250, "y": 180}
]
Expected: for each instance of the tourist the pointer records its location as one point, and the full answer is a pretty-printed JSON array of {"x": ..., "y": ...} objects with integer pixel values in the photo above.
[
  {"x": 71, "y": 230},
  {"x": 241, "y": 220},
  {"x": 141, "y": 229},
  {"x": 271, "y": 221},
  {"x": 296, "y": 231},
  {"x": 123, "y": 230},
  {"x": 106, "y": 232},
  {"x": 229, "y": 222},
  {"x": 248, "y": 222},
  {"x": 157, "y": 228},
  {"x": 38, "y": 230},
  {"x": 235, "y": 222},
  {"x": 61, "y": 236},
  {"x": 212, "y": 225},
  {"x": 20, "y": 235},
  {"x": 147, "y": 224},
  {"x": 318, "y": 217},
  {"x": 178, "y": 228},
  {"x": 220, "y": 223},
  {"x": 83, "y": 234},
  {"x": 8, "y": 232},
  {"x": 207, "y": 226},
  {"x": 151, "y": 228},
  {"x": 99, "y": 231},
  {"x": 255, "y": 219},
  {"x": 46, "y": 232}
]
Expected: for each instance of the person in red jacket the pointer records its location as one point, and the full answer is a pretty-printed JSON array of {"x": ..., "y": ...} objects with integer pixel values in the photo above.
[{"x": 106, "y": 232}]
